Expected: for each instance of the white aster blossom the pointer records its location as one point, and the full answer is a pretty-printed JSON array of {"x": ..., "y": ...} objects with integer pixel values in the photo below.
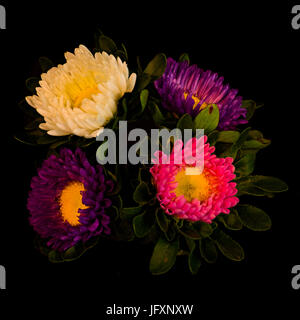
[{"x": 80, "y": 97}]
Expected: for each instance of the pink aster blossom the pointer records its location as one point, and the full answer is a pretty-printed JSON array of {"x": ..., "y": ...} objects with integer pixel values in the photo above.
[{"x": 196, "y": 197}]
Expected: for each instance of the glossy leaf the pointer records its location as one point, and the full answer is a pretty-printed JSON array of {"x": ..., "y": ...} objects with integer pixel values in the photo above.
[
  {"x": 245, "y": 165},
  {"x": 184, "y": 57},
  {"x": 131, "y": 212},
  {"x": 156, "y": 67},
  {"x": 185, "y": 122},
  {"x": 162, "y": 220},
  {"x": 208, "y": 250},
  {"x": 254, "y": 218},
  {"x": 143, "y": 223},
  {"x": 229, "y": 247},
  {"x": 144, "y": 98},
  {"x": 228, "y": 136},
  {"x": 107, "y": 44},
  {"x": 194, "y": 260},
  {"x": 207, "y": 119},
  {"x": 46, "y": 64},
  {"x": 141, "y": 194},
  {"x": 31, "y": 84},
  {"x": 157, "y": 116},
  {"x": 232, "y": 220},
  {"x": 164, "y": 256}
]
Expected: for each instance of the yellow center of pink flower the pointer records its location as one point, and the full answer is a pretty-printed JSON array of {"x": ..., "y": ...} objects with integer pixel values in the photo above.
[
  {"x": 192, "y": 186},
  {"x": 71, "y": 201}
]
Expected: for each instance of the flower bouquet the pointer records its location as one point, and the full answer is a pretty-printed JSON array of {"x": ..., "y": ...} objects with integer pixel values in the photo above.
[{"x": 95, "y": 121}]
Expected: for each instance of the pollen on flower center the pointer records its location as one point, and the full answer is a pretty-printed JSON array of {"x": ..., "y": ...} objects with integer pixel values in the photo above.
[
  {"x": 192, "y": 186},
  {"x": 81, "y": 87},
  {"x": 196, "y": 101},
  {"x": 87, "y": 93},
  {"x": 71, "y": 201}
]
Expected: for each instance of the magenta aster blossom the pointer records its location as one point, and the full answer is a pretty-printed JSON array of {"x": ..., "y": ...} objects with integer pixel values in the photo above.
[
  {"x": 185, "y": 192},
  {"x": 67, "y": 203},
  {"x": 189, "y": 89}
]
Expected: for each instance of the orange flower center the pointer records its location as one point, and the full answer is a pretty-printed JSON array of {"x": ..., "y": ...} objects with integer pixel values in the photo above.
[
  {"x": 87, "y": 93},
  {"x": 71, "y": 201},
  {"x": 192, "y": 186},
  {"x": 196, "y": 101}
]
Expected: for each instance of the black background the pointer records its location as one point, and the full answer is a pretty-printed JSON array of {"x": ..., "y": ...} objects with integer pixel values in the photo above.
[{"x": 254, "y": 47}]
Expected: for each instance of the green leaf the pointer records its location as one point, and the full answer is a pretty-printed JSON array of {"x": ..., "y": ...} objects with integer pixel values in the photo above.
[
  {"x": 250, "y": 105},
  {"x": 47, "y": 139},
  {"x": 228, "y": 136},
  {"x": 59, "y": 143},
  {"x": 34, "y": 125},
  {"x": 125, "y": 51},
  {"x": 185, "y": 122},
  {"x": 196, "y": 230},
  {"x": 213, "y": 137},
  {"x": 143, "y": 223},
  {"x": 256, "y": 141},
  {"x": 207, "y": 119},
  {"x": 171, "y": 233},
  {"x": 144, "y": 175},
  {"x": 144, "y": 98},
  {"x": 107, "y": 44},
  {"x": 184, "y": 57},
  {"x": 32, "y": 83},
  {"x": 254, "y": 218},
  {"x": 208, "y": 250},
  {"x": 156, "y": 114},
  {"x": 164, "y": 256},
  {"x": 55, "y": 256},
  {"x": 125, "y": 109},
  {"x": 194, "y": 261},
  {"x": 27, "y": 109},
  {"x": 205, "y": 229},
  {"x": 117, "y": 183},
  {"x": 261, "y": 185},
  {"x": 245, "y": 165},
  {"x": 232, "y": 152},
  {"x": 162, "y": 220},
  {"x": 143, "y": 80},
  {"x": 251, "y": 190},
  {"x": 156, "y": 67},
  {"x": 269, "y": 184},
  {"x": 254, "y": 144},
  {"x": 229, "y": 247},
  {"x": 46, "y": 64},
  {"x": 25, "y": 139},
  {"x": 232, "y": 220},
  {"x": 141, "y": 194},
  {"x": 131, "y": 212},
  {"x": 72, "y": 253}
]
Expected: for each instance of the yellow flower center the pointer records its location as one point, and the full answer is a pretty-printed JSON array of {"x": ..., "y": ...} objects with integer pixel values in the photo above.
[
  {"x": 192, "y": 186},
  {"x": 196, "y": 101},
  {"x": 80, "y": 88},
  {"x": 71, "y": 201},
  {"x": 87, "y": 93}
]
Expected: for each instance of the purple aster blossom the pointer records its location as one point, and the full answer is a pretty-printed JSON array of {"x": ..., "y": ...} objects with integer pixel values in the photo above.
[
  {"x": 188, "y": 89},
  {"x": 44, "y": 204}
]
